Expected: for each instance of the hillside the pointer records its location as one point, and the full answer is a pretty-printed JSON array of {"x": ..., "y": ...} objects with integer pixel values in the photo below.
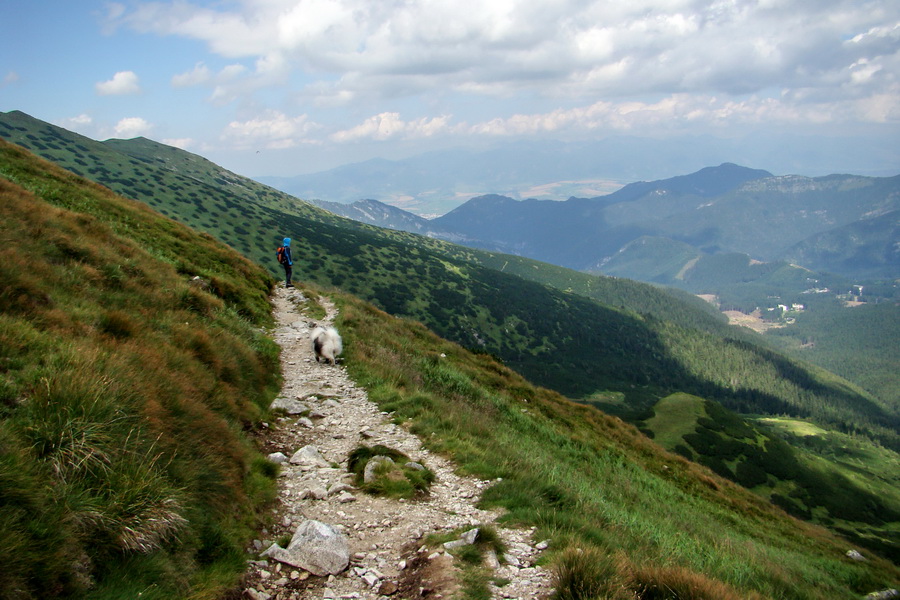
[
  {"x": 861, "y": 343},
  {"x": 559, "y": 339},
  {"x": 866, "y": 249},
  {"x": 442, "y": 285},
  {"x": 617, "y": 344},
  {"x": 131, "y": 362},
  {"x": 725, "y": 209},
  {"x": 861, "y": 477},
  {"x": 380, "y": 214},
  {"x": 643, "y": 519}
]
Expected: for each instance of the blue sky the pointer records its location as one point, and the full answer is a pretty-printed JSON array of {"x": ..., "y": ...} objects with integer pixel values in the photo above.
[{"x": 281, "y": 87}]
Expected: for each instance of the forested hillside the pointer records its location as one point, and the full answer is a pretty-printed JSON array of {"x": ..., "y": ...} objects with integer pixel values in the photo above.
[
  {"x": 725, "y": 209},
  {"x": 629, "y": 343},
  {"x": 855, "y": 491},
  {"x": 861, "y": 343},
  {"x": 616, "y": 344}
]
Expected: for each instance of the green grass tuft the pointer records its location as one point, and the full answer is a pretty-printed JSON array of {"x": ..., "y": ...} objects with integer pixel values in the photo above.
[
  {"x": 394, "y": 479},
  {"x": 125, "y": 387}
]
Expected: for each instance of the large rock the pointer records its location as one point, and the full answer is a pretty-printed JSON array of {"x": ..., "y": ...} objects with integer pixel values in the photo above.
[
  {"x": 309, "y": 456},
  {"x": 855, "y": 555},
  {"x": 290, "y": 406},
  {"x": 883, "y": 595},
  {"x": 374, "y": 462},
  {"x": 317, "y": 547}
]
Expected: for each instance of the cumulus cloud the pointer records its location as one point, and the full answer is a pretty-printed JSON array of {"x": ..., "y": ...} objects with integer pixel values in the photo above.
[
  {"x": 273, "y": 130},
  {"x": 388, "y": 125},
  {"x": 83, "y": 124},
  {"x": 122, "y": 83},
  {"x": 227, "y": 84},
  {"x": 661, "y": 45},
  {"x": 130, "y": 127},
  {"x": 686, "y": 60},
  {"x": 199, "y": 75}
]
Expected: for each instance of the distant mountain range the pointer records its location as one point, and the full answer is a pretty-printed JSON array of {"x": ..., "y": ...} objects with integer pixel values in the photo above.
[
  {"x": 657, "y": 231},
  {"x": 434, "y": 183},
  {"x": 725, "y": 209}
]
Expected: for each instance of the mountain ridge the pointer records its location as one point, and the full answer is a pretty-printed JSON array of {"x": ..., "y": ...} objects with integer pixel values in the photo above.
[
  {"x": 705, "y": 183},
  {"x": 434, "y": 183},
  {"x": 763, "y": 218},
  {"x": 620, "y": 355}
]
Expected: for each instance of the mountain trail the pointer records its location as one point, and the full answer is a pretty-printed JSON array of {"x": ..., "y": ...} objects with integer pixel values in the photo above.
[{"x": 387, "y": 537}]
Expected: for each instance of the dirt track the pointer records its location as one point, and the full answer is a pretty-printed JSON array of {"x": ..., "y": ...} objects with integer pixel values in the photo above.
[{"x": 388, "y": 558}]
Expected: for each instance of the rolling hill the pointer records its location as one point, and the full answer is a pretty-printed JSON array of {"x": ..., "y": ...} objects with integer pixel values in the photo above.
[
  {"x": 726, "y": 209},
  {"x": 134, "y": 358},
  {"x": 617, "y": 344}
]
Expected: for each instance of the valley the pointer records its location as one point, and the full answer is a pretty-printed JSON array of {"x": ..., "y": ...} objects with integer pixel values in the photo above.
[{"x": 528, "y": 336}]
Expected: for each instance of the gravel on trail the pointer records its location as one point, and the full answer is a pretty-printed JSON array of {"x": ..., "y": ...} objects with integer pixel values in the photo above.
[{"x": 328, "y": 416}]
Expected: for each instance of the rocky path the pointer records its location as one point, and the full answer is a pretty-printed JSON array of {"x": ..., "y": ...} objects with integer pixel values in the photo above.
[{"x": 328, "y": 417}]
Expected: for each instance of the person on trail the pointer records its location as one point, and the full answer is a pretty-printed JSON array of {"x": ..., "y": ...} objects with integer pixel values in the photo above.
[{"x": 284, "y": 257}]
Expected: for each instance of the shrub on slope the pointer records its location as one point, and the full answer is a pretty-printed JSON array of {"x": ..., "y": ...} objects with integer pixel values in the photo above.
[{"x": 124, "y": 386}]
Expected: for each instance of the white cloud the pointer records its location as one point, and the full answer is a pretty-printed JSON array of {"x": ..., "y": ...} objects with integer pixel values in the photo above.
[
  {"x": 483, "y": 39},
  {"x": 122, "y": 83},
  {"x": 234, "y": 81},
  {"x": 574, "y": 52},
  {"x": 388, "y": 125},
  {"x": 273, "y": 130},
  {"x": 680, "y": 113},
  {"x": 183, "y": 143},
  {"x": 83, "y": 124},
  {"x": 199, "y": 75},
  {"x": 130, "y": 127},
  {"x": 82, "y": 119},
  {"x": 10, "y": 78}
]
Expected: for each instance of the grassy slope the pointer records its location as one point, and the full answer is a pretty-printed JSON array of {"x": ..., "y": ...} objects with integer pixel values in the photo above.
[
  {"x": 559, "y": 340},
  {"x": 595, "y": 483},
  {"x": 124, "y": 389},
  {"x": 860, "y": 477},
  {"x": 652, "y": 344},
  {"x": 189, "y": 188}
]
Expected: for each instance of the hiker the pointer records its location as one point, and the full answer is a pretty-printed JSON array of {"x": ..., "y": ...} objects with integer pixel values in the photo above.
[{"x": 284, "y": 257}]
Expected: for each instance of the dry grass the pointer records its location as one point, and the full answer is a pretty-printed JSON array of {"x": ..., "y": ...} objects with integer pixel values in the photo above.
[
  {"x": 124, "y": 390},
  {"x": 591, "y": 574},
  {"x": 678, "y": 583}
]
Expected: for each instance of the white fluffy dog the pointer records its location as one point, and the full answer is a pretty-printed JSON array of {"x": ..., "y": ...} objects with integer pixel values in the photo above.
[{"x": 326, "y": 343}]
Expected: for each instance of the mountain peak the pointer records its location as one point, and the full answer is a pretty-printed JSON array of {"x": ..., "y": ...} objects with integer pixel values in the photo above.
[{"x": 706, "y": 183}]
